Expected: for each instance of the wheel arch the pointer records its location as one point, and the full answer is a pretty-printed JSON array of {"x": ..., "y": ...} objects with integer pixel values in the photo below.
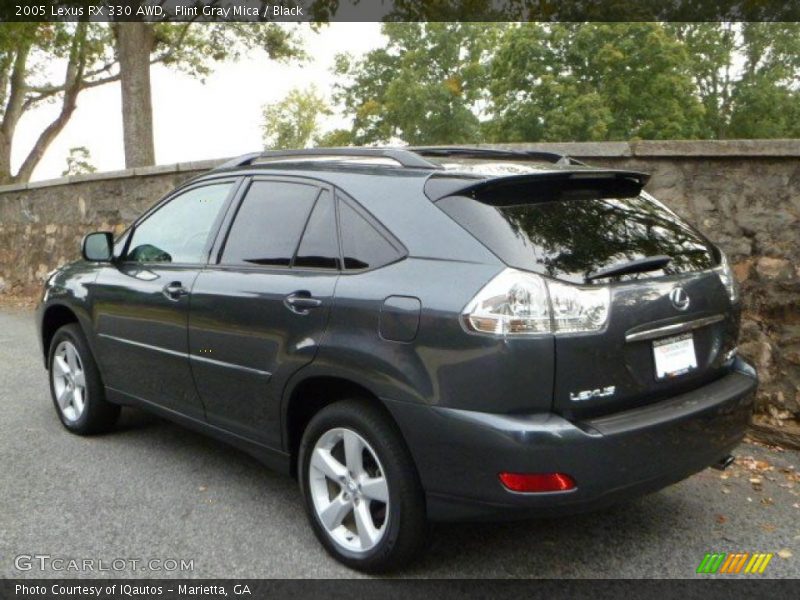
[
  {"x": 307, "y": 396},
  {"x": 54, "y": 317}
]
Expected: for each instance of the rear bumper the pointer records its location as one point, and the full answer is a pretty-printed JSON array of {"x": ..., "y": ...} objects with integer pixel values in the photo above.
[{"x": 460, "y": 453}]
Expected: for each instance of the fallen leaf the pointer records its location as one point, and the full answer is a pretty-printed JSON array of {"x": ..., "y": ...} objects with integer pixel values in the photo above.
[
  {"x": 726, "y": 490},
  {"x": 721, "y": 519},
  {"x": 768, "y": 527},
  {"x": 767, "y": 501},
  {"x": 785, "y": 553}
]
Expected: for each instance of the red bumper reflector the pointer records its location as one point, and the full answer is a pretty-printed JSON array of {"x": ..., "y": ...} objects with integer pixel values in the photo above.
[{"x": 537, "y": 482}]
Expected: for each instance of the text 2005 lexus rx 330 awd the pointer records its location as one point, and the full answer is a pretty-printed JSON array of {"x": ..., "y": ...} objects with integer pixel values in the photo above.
[{"x": 417, "y": 334}]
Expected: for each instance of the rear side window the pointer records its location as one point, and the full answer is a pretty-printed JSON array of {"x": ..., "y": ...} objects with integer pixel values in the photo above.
[
  {"x": 364, "y": 246},
  {"x": 269, "y": 223},
  {"x": 319, "y": 248},
  {"x": 573, "y": 238}
]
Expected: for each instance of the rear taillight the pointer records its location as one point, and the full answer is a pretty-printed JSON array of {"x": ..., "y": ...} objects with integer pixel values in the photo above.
[
  {"x": 537, "y": 482},
  {"x": 516, "y": 303},
  {"x": 727, "y": 277}
]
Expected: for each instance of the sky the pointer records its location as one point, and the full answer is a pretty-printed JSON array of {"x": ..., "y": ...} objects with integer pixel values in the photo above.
[{"x": 194, "y": 120}]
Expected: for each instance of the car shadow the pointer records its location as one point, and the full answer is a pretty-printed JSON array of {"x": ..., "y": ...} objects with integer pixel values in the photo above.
[
  {"x": 553, "y": 547},
  {"x": 133, "y": 419},
  {"x": 567, "y": 546}
]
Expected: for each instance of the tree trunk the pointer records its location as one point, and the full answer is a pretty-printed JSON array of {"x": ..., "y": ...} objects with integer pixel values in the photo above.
[
  {"x": 5, "y": 160},
  {"x": 134, "y": 44}
]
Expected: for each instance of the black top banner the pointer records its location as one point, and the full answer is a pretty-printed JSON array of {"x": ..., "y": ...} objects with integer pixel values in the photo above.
[{"x": 399, "y": 10}]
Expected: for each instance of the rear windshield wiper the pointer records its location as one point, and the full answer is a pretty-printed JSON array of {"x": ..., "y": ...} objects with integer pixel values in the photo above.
[{"x": 640, "y": 265}]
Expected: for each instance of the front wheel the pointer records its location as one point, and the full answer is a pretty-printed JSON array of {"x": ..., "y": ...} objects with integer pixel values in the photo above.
[
  {"x": 75, "y": 384},
  {"x": 361, "y": 488}
]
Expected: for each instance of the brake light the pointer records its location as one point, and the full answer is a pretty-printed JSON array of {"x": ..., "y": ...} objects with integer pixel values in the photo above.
[
  {"x": 727, "y": 278},
  {"x": 517, "y": 303},
  {"x": 537, "y": 482}
]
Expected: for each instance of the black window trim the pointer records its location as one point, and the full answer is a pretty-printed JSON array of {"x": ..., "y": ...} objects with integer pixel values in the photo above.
[
  {"x": 236, "y": 182},
  {"x": 339, "y": 263}
]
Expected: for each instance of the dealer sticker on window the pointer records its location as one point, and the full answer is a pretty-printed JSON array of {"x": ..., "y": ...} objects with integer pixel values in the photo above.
[{"x": 674, "y": 356}]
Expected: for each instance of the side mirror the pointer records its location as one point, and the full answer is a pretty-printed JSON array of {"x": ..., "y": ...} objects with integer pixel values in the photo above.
[{"x": 98, "y": 246}]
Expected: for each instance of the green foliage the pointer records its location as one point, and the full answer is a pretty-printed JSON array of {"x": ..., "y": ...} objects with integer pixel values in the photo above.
[
  {"x": 79, "y": 162},
  {"x": 294, "y": 121},
  {"x": 747, "y": 76},
  {"x": 427, "y": 86},
  {"x": 335, "y": 138},
  {"x": 595, "y": 81},
  {"x": 194, "y": 47},
  {"x": 441, "y": 83}
]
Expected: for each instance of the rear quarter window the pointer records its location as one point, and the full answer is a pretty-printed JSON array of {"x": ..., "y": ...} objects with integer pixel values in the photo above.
[{"x": 364, "y": 245}]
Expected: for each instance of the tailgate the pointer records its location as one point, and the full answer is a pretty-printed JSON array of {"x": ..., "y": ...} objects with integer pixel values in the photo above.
[
  {"x": 672, "y": 321},
  {"x": 617, "y": 369}
]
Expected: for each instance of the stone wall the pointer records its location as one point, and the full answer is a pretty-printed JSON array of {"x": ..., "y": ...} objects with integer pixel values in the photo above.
[
  {"x": 745, "y": 195},
  {"x": 42, "y": 223}
]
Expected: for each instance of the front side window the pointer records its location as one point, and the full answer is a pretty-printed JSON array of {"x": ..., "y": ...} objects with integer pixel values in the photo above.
[
  {"x": 179, "y": 231},
  {"x": 269, "y": 223}
]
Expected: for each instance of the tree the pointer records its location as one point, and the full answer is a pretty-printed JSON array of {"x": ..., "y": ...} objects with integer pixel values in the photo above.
[
  {"x": 294, "y": 121},
  {"x": 134, "y": 44},
  {"x": 79, "y": 162},
  {"x": 190, "y": 46},
  {"x": 334, "y": 138},
  {"x": 747, "y": 76},
  {"x": 427, "y": 86},
  {"x": 593, "y": 81},
  {"x": 89, "y": 55},
  {"x": 25, "y": 51}
]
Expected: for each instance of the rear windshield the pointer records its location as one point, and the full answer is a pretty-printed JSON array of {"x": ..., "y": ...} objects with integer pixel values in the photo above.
[{"x": 572, "y": 239}]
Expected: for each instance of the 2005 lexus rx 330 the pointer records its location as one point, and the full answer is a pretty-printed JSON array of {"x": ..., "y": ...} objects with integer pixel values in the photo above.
[{"x": 419, "y": 334}]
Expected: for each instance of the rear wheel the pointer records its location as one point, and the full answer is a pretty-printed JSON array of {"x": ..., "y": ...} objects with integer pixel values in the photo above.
[
  {"x": 75, "y": 384},
  {"x": 361, "y": 488}
]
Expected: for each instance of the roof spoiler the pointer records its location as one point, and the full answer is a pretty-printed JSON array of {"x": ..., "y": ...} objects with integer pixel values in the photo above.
[{"x": 549, "y": 186}]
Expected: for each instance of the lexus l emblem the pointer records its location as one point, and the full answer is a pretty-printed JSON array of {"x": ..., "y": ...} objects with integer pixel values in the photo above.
[{"x": 679, "y": 298}]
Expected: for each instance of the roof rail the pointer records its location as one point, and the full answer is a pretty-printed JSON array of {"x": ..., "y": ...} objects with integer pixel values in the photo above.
[
  {"x": 495, "y": 153},
  {"x": 405, "y": 158}
]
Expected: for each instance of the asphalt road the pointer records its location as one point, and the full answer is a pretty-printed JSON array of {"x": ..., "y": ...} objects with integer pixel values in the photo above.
[{"x": 152, "y": 490}]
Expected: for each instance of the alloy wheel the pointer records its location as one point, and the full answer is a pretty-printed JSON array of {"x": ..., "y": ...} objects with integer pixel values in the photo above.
[
  {"x": 69, "y": 381},
  {"x": 349, "y": 490}
]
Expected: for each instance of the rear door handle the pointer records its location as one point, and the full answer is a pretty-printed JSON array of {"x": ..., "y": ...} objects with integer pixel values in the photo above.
[
  {"x": 301, "y": 302},
  {"x": 174, "y": 290}
]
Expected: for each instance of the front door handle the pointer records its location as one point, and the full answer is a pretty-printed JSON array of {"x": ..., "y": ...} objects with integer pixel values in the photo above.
[
  {"x": 301, "y": 302},
  {"x": 174, "y": 290}
]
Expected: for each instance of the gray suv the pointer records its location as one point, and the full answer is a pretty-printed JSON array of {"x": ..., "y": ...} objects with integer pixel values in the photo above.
[{"x": 414, "y": 334}]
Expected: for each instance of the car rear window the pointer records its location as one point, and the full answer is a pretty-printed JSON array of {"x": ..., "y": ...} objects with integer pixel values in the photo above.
[{"x": 570, "y": 239}]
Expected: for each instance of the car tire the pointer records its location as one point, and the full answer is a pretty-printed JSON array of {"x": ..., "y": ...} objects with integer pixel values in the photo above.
[
  {"x": 374, "y": 536},
  {"x": 75, "y": 385}
]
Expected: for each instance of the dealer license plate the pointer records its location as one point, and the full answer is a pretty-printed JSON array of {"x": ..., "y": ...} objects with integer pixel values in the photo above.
[{"x": 674, "y": 356}]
